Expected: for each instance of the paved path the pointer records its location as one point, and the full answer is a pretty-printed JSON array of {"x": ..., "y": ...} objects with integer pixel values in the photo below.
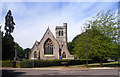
[{"x": 68, "y": 72}]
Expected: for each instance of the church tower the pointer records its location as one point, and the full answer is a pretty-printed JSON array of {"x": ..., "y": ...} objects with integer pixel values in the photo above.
[{"x": 61, "y": 34}]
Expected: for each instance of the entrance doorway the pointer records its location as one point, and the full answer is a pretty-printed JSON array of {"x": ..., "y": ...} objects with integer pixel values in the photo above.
[{"x": 60, "y": 57}]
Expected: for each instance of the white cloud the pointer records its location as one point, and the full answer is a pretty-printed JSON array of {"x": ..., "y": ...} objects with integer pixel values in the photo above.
[{"x": 32, "y": 19}]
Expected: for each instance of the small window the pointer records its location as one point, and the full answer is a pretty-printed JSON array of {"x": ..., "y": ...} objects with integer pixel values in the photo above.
[
  {"x": 62, "y": 33},
  {"x": 59, "y": 33},
  {"x": 63, "y": 55},
  {"x": 35, "y": 54}
]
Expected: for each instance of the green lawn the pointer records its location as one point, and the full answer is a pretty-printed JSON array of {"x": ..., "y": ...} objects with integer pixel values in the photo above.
[{"x": 109, "y": 64}]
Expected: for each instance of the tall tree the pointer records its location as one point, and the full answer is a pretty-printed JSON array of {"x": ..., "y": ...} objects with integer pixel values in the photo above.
[
  {"x": 104, "y": 25},
  {"x": 20, "y": 52},
  {"x": 8, "y": 41},
  {"x": 9, "y": 23},
  {"x": 79, "y": 45},
  {"x": 70, "y": 47},
  {"x": 101, "y": 38},
  {"x": 27, "y": 53}
]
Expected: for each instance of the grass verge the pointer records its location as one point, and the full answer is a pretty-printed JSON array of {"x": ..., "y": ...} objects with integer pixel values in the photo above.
[{"x": 109, "y": 64}]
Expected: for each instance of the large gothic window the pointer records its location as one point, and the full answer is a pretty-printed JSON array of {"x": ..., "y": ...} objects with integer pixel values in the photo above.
[
  {"x": 48, "y": 47},
  {"x": 35, "y": 54}
]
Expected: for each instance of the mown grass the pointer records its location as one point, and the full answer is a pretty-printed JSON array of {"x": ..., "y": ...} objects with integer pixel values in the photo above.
[{"x": 109, "y": 64}]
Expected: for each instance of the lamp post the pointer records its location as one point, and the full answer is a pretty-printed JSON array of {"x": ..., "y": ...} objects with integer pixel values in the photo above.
[
  {"x": 86, "y": 46},
  {"x": 118, "y": 53},
  {"x": 86, "y": 50},
  {"x": 118, "y": 38}
]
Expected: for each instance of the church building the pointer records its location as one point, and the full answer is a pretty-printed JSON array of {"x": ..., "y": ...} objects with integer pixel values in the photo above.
[{"x": 50, "y": 47}]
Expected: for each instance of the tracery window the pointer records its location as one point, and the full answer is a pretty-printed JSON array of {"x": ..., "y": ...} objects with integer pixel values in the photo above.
[{"x": 48, "y": 47}]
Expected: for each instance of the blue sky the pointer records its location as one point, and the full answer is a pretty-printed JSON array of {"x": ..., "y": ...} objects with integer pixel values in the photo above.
[{"x": 33, "y": 18}]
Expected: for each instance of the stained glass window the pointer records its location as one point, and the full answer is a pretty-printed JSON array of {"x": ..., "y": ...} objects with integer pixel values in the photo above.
[{"x": 48, "y": 47}]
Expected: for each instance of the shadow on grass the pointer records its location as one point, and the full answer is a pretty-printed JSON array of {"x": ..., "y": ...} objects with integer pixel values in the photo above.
[
  {"x": 105, "y": 65},
  {"x": 111, "y": 65},
  {"x": 11, "y": 73}
]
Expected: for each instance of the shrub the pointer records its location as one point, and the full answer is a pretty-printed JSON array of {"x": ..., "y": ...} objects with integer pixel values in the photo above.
[
  {"x": 0, "y": 63},
  {"x": 26, "y": 64},
  {"x": 45, "y": 63},
  {"x": 7, "y": 63}
]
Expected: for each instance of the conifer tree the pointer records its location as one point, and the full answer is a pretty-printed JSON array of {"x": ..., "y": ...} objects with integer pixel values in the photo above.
[{"x": 8, "y": 40}]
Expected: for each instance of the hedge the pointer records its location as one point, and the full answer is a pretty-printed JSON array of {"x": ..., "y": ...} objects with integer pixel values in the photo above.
[
  {"x": 38, "y": 63},
  {"x": 7, "y": 63},
  {"x": 46, "y": 63},
  {"x": 0, "y": 63}
]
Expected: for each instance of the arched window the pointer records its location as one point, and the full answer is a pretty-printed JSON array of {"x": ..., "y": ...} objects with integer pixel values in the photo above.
[
  {"x": 59, "y": 33},
  {"x": 48, "y": 47},
  {"x": 35, "y": 54},
  {"x": 63, "y": 55}
]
